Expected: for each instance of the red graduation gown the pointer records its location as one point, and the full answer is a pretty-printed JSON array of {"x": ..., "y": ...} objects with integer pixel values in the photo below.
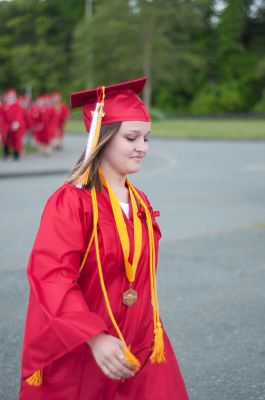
[
  {"x": 67, "y": 308},
  {"x": 13, "y": 136},
  {"x": 65, "y": 114}
]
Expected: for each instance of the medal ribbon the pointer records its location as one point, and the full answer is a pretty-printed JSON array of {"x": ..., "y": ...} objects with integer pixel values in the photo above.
[
  {"x": 158, "y": 348},
  {"x": 122, "y": 230}
]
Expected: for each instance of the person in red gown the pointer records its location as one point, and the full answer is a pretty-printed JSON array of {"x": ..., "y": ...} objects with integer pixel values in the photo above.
[
  {"x": 65, "y": 115},
  {"x": 1, "y": 120},
  {"x": 14, "y": 125},
  {"x": 35, "y": 121},
  {"x": 60, "y": 116},
  {"x": 25, "y": 102},
  {"x": 41, "y": 115},
  {"x": 93, "y": 330}
]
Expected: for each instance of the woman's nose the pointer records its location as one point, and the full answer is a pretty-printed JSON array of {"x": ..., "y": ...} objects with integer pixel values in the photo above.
[{"x": 141, "y": 145}]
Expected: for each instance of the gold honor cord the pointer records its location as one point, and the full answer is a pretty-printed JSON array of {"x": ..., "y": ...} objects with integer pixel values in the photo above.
[
  {"x": 158, "y": 348},
  {"x": 87, "y": 251},
  {"x": 122, "y": 230},
  {"x": 129, "y": 356}
]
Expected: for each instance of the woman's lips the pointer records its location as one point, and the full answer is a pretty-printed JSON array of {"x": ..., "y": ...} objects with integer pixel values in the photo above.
[{"x": 137, "y": 158}]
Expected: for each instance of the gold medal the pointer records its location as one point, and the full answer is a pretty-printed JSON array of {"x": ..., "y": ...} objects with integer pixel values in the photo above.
[{"x": 129, "y": 297}]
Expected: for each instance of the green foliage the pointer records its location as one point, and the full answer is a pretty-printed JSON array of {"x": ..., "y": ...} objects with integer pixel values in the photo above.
[
  {"x": 225, "y": 98},
  {"x": 35, "y": 44},
  {"x": 156, "y": 114},
  {"x": 260, "y": 105},
  {"x": 198, "y": 59},
  {"x": 205, "y": 102}
]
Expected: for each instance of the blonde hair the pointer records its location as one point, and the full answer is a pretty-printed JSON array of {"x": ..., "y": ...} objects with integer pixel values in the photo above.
[{"x": 107, "y": 132}]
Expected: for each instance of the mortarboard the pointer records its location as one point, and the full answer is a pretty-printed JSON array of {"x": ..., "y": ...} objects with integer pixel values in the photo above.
[{"x": 121, "y": 102}]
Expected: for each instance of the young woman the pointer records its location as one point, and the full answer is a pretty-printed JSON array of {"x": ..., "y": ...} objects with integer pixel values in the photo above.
[{"x": 93, "y": 330}]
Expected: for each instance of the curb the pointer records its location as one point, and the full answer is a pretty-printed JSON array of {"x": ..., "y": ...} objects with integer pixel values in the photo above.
[{"x": 32, "y": 174}]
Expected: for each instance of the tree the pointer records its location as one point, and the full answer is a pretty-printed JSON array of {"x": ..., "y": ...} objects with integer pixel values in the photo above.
[
  {"x": 196, "y": 58},
  {"x": 35, "y": 48},
  {"x": 138, "y": 38},
  {"x": 234, "y": 83}
]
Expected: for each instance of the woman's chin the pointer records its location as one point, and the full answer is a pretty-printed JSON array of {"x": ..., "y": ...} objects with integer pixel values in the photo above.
[{"x": 133, "y": 169}]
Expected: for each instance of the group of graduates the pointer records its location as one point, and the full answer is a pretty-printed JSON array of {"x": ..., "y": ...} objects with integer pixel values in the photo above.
[{"x": 42, "y": 121}]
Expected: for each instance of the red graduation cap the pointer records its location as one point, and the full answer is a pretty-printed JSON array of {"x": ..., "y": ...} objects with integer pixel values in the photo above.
[{"x": 121, "y": 102}]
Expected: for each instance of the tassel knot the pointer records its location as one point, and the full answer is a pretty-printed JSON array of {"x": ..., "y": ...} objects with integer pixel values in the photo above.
[
  {"x": 35, "y": 379},
  {"x": 158, "y": 349},
  {"x": 131, "y": 358}
]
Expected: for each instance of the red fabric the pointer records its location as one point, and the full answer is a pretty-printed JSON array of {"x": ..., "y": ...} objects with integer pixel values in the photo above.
[
  {"x": 1, "y": 122},
  {"x": 50, "y": 122},
  {"x": 40, "y": 120},
  {"x": 121, "y": 103},
  {"x": 66, "y": 309},
  {"x": 86, "y": 96},
  {"x": 27, "y": 118},
  {"x": 13, "y": 136},
  {"x": 58, "y": 118},
  {"x": 65, "y": 113},
  {"x": 35, "y": 120},
  {"x": 54, "y": 122}
]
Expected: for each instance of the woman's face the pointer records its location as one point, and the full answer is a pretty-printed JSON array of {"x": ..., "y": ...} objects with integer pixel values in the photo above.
[{"x": 127, "y": 149}]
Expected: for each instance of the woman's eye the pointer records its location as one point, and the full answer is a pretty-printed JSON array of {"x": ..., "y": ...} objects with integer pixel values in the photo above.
[{"x": 130, "y": 139}]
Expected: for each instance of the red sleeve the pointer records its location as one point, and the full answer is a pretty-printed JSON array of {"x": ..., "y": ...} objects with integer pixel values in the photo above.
[{"x": 58, "y": 317}]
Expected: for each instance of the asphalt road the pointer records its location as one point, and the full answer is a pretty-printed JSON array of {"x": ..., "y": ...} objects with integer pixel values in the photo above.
[{"x": 211, "y": 285}]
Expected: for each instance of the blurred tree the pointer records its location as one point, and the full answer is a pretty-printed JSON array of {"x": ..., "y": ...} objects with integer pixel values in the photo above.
[
  {"x": 35, "y": 46},
  {"x": 198, "y": 59},
  {"x": 82, "y": 50},
  {"x": 141, "y": 37},
  {"x": 234, "y": 84},
  {"x": 7, "y": 78},
  {"x": 189, "y": 35}
]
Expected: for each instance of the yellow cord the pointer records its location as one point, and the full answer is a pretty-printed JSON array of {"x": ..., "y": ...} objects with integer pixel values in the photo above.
[
  {"x": 130, "y": 357},
  {"x": 35, "y": 379},
  {"x": 87, "y": 251},
  {"x": 158, "y": 354}
]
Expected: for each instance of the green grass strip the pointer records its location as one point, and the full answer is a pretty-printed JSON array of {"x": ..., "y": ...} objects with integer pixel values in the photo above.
[{"x": 230, "y": 129}]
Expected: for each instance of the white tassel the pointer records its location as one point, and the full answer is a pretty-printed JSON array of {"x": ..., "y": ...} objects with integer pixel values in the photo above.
[{"x": 91, "y": 134}]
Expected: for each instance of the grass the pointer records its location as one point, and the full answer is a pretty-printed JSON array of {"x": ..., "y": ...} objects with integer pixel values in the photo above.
[{"x": 230, "y": 129}]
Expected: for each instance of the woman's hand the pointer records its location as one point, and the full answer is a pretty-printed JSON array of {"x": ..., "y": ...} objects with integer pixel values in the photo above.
[{"x": 109, "y": 355}]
